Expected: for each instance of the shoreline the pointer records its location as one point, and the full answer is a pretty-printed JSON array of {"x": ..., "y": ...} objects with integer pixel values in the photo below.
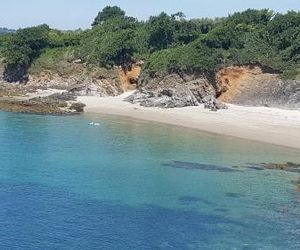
[{"x": 267, "y": 125}]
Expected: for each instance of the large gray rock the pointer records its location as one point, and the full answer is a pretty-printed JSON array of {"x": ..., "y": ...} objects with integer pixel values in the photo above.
[
  {"x": 277, "y": 93},
  {"x": 100, "y": 88},
  {"x": 176, "y": 90}
]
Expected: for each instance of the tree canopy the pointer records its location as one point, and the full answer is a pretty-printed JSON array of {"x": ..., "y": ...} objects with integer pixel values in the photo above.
[
  {"x": 21, "y": 48},
  {"x": 108, "y": 13}
]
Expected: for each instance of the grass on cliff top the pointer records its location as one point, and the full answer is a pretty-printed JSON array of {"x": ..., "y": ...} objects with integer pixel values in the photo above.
[
  {"x": 56, "y": 60},
  {"x": 291, "y": 74},
  {"x": 60, "y": 61}
]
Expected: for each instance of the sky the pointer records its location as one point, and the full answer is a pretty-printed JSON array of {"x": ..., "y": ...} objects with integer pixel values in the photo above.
[{"x": 73, "y": 14}]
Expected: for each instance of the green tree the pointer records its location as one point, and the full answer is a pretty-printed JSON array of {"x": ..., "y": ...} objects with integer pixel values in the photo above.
[
  {"x": 59, "y": 38},
  {"x": 161, "y": 30},
  {"x": 111, "y": 43},
  {"x": 108, "y": 13},
  {"x": 231, "y": 32},
  {"x": 252, "y": 17},
  {"x": 284, "y": 29},
  {"x": 21, "y": 49}
]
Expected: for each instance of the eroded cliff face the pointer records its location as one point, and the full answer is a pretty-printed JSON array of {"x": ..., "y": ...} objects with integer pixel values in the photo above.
[
  {"x": 129, "y": 77},
  {"x": 254, "y": 86},
  {"x": 85, "y": 82},
  {"x": 75, "y": 77}
]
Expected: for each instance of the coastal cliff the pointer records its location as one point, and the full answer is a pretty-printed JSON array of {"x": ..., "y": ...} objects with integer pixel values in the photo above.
[
  {"x": 248, "y": 58},
  {"x": 242, "y": 85}
]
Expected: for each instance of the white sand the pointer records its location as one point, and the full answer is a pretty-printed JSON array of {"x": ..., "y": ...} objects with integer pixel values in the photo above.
[
  {"x": 44, "y": 93},
  {"x": 270, "y": 125}
]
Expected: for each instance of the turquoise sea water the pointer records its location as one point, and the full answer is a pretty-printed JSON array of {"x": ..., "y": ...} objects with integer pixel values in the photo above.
[{"x": 138, "y": 185}]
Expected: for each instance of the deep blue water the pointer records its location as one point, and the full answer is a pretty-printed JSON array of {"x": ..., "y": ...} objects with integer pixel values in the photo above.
[{"x": 138, "y": 185}]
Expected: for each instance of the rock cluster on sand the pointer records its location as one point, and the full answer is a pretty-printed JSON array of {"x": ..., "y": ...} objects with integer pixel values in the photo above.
[{"x": 176, "y": 90}]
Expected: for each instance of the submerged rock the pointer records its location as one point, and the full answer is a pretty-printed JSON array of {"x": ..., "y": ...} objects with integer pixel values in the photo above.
[
  {"x": 289, "y": 166},
  {"x": 199, "y": 166},
  {"x": 191, "y": 200},
  {"x": 297, "y": 183},
  {"x": 234, "y": 195}
]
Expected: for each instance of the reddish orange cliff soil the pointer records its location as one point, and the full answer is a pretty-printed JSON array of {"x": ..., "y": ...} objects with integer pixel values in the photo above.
[
  {"x": 233, "y": 80},
  {"x": 243, "y": 82},
  {"x": 129, "y": 77}
]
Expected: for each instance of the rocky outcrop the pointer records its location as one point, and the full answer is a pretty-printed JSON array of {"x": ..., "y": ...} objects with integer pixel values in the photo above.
[
  {"x": 7, "y": 90},
  {"x": 56, "y": 104},
  {"x": 176, "y": 90},
  {"x": 85, "y": 84},
  {"x": 100, "y": 88},
  {"x": 254, "y": 86},
  {"x": 77, "y": 78}
]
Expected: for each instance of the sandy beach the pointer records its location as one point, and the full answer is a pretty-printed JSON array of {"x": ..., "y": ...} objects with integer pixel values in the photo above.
[{"x": 269, "y": 125}]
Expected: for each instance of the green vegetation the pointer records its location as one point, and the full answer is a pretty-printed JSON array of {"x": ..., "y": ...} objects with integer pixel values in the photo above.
[
  {"x": 111, "y": 43},
  {"x": 251, "y": 37},
  {"x": 167, "y": 43},
  {"x": 21, "y": 49},
  {"x": 6, "y": 31},
  {"x": 108, "y": 13},
  {"x": 54, "y": 59}
]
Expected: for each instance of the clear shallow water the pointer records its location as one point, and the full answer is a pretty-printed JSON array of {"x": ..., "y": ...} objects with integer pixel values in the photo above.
[{"x": 137, "y": 185}]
